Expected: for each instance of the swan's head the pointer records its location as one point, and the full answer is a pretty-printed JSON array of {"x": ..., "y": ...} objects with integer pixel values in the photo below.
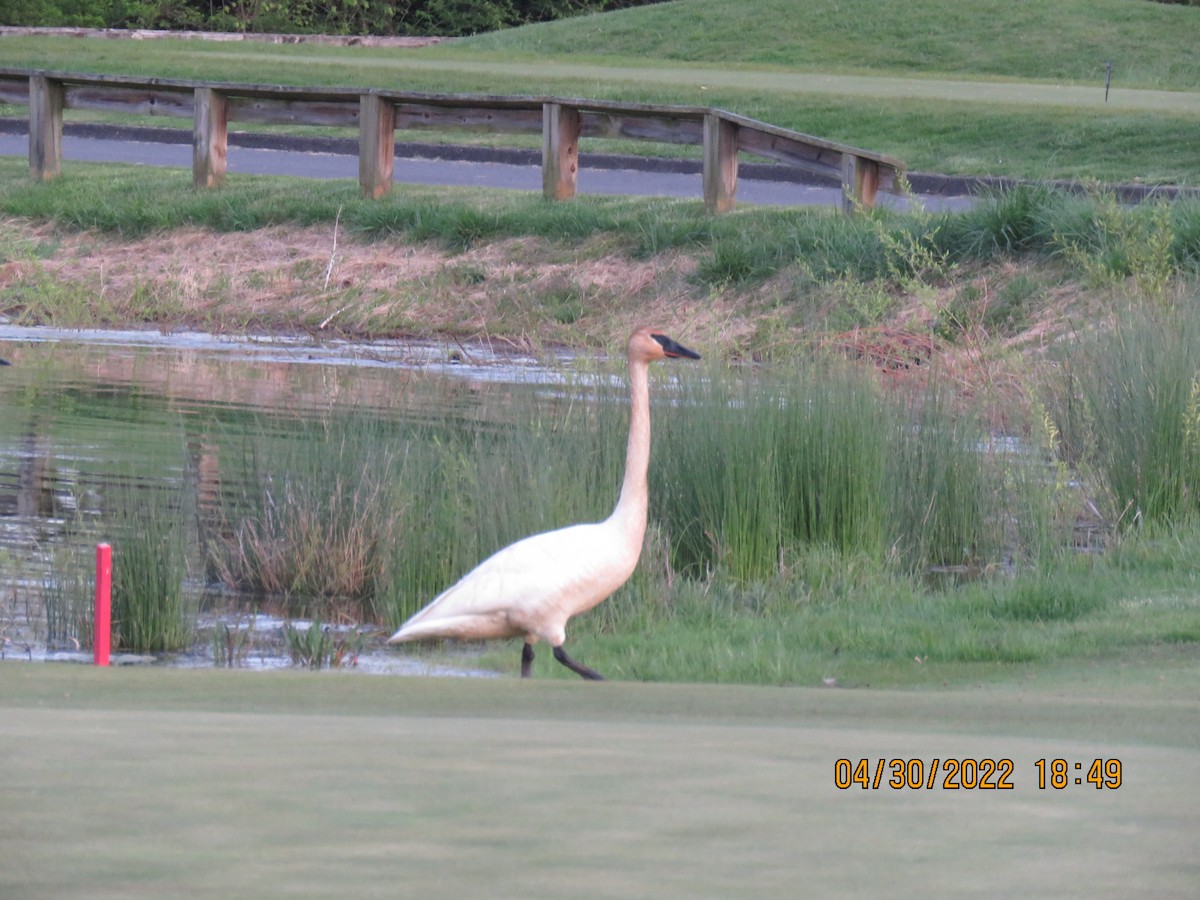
[{"x": 647, "y": 344}]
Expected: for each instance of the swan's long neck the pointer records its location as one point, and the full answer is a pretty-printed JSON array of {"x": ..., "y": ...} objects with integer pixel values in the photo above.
[{"x": 630, "y": 512}]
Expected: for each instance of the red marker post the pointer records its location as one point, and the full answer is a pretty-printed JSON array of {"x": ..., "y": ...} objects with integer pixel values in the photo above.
[{"x": 102, "y": 622}]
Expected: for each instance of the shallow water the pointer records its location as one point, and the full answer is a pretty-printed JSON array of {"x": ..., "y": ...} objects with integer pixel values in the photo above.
[{"x": 82, "y": 412}]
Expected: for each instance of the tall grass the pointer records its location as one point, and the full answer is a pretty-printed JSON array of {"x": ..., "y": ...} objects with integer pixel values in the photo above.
[
  {"x": 806, "y": 522},
  {"x": 752, "y": 465},
  {"x": 68, "y": 589},
  {"x": 150, "y": 610},
  {"x": 147, "y": 523},
  {"x": 755, "y": 478},
  {"x": 306, "y": 520},
  {"x": 1127, "y": 403},
  {"x": 755, "y": 469}
]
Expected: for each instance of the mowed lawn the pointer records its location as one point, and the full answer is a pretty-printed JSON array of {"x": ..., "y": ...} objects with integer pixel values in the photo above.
[{"x": 169, "y": 783}]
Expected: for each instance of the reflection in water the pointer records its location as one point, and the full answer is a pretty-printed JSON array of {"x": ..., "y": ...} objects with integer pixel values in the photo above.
[{"x": 89, "y": 420}]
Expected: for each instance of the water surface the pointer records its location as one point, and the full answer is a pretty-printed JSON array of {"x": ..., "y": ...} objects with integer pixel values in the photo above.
[{"x": 84, "y": 414}]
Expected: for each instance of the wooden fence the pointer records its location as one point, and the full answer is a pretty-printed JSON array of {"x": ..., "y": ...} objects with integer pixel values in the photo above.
[{"x": 379, "y": 114}]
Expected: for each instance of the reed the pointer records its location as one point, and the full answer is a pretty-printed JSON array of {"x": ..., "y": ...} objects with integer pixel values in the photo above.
[
  {"x": 949, "y": 493},
  {"x": 1127, "y": 402},
  {"x": 151, "y": 612},
  {"x": 68, "y": 591},
  {"x": 755, "y": 478},
  {"x": 809, "y": 523},
  {"x": 306, "y": 520},
  {"x": 521, "y": 463},
  {"x": 754, "y": 469},
  {"x": 231, "y": 644}
]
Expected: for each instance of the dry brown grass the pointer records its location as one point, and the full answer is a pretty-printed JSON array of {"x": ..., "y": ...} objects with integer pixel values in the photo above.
[{"x": 522, "y": 292}]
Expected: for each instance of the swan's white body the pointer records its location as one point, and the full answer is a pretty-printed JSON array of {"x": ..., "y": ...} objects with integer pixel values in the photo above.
[{"x": 531, "y": 588}]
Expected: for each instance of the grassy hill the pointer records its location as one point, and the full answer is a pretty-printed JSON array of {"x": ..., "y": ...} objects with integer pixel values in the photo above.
[{"x": 1149, "y": 44}]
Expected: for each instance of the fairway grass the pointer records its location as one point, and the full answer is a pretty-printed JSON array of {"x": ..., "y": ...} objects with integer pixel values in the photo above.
[
  {"x": 707, "y": 78},
  {"x": 151, "y": 783}
]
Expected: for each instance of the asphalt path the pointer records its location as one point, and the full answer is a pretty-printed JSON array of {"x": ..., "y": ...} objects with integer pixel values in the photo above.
[{"x": 459, "y": 166}]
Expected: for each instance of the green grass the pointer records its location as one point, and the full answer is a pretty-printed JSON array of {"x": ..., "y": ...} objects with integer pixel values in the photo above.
[
  {"x": 300, "y": 784},
  {"x": 1067, "y": 41},
  {"x": 1008, "y": 89},
  {"x": 1149, "y": 43},
  {"x": 840, "y": 617}
]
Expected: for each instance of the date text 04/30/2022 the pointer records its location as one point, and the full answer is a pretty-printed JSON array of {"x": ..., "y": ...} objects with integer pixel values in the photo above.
[{"x": 957, "y": 774}]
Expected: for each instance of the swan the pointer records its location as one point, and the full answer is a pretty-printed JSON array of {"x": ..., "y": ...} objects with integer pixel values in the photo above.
[{"x": 531, "y": 588}]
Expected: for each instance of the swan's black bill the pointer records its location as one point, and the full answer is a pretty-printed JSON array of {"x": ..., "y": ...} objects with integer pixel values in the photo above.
[{"x": 674, "y": 350}]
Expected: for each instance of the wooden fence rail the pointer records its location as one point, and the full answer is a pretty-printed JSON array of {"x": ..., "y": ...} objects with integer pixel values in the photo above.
[{"x": 379, "y": 114}]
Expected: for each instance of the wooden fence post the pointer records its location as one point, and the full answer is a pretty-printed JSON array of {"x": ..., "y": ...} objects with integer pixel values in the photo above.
[
  {"x": 720, "y": 164},
  {"x": 376, "y": 145},
  {"x": 45, "y": 127},
  {"x": 210, "y": 138},
  {"x": 560, "y": 151},
  {"x": 860, "y": 182}
]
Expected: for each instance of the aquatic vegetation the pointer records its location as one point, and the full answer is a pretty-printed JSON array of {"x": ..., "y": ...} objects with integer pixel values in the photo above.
[
  {"x": 151, "y": 612},
  {"x": 317, "y": 646}
]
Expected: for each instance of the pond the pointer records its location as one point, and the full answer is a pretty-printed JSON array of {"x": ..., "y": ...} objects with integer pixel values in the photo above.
[{"x": 85, "y": 416}]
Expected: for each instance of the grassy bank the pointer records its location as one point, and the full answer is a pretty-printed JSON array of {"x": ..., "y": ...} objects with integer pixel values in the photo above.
[{"x": 761, "y": 282}]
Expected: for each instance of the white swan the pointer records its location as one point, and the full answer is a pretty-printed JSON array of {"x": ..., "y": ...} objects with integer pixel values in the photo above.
[{"x": 531, "y": 588}]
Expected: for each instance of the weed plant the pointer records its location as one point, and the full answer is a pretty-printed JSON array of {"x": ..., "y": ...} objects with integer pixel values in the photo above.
[
  {"x": 232, "y": 644},
  {"x": 317, "y": 646},
  {"x": 1110, "y": 243}
]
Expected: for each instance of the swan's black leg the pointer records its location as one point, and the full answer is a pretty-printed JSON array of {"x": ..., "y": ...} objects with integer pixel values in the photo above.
[
  {"x": 583, "y": 671},
  {"x": 527, "y": 661}
]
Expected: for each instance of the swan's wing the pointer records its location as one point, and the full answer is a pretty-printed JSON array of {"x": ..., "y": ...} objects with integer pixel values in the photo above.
[{"x": 545, "y": 577}]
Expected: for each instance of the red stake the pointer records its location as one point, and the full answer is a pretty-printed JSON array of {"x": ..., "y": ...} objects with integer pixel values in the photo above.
[{"x": 102, "y": 623}]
